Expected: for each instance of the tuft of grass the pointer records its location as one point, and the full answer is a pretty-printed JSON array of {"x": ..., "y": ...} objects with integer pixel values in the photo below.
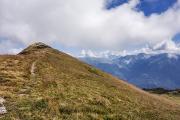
[
  {"x": 40, "y": 104},
  {"x": 95, "y": 71}
]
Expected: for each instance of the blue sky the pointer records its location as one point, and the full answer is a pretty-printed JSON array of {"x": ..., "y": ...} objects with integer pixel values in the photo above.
[
  {"x": 148, "y": 7},
  {"x": 176, "y": 38},
  {"x": 115, "y": 3},
  {"x": 155, "y": 6},
  {"x": 75, "y": 25}
]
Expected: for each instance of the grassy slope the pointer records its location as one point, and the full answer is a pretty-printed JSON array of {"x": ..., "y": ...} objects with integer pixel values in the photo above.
[
  {"x": 173, "y": 95},
  {"x": 175, "y": 98},
  {"x": 65, "y": 88}
]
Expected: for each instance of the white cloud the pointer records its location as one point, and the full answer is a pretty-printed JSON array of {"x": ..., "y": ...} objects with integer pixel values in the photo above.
[
  {"x": 9, "y": 47},
  {"x": 84, "y": 24},
  {"x": 167, "y": 46},
  {"x": 88, "y": 53}
]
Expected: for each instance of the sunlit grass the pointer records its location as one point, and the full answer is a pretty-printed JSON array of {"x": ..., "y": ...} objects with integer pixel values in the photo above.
[{"x": 65, "y": 88}]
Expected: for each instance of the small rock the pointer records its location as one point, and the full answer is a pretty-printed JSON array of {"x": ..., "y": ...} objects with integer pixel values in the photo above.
[
  {"x": 3, "y": 110},
  {"x": 2, "y": 100},
  {"x": 2, "y": 107}
]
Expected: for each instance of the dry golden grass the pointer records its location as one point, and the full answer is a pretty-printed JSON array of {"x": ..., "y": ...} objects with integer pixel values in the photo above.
[{"x": 66, "y": 88}]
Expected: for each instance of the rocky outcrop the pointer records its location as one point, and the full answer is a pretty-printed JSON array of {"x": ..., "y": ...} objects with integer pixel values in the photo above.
[{"x": 34, "y": 47}]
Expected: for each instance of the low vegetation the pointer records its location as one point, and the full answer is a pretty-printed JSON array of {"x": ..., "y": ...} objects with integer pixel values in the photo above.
[
  {"x": 63, "y": 87},
  {"x": 173, "y": 95}
]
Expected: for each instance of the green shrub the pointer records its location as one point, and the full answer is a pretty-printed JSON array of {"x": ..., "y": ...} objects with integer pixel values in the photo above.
[
  {"x": 41, "y": 104},
  {"x": 94, "y": 71}
]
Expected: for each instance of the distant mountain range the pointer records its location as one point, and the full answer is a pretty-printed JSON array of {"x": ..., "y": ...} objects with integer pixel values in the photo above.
[{"x": 143, "y": 70}]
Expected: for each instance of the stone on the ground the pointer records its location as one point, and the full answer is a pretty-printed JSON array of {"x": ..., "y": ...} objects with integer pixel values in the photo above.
[{"x": 2, "y": 107}]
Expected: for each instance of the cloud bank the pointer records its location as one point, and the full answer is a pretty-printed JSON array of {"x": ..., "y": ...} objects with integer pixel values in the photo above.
[
  {"x": 84, "y": 24},
  {"x": 168, "y": 47}
]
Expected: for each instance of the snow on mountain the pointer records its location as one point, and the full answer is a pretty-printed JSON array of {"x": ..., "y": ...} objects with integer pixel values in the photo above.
[{"x": 150, "y": 67}]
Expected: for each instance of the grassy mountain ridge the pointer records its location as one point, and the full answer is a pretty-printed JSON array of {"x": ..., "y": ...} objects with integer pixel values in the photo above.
[{"x": 43, "y": 83}]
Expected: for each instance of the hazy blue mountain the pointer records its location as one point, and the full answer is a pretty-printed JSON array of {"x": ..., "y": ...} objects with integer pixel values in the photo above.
[{"x": 143, "y": 70}]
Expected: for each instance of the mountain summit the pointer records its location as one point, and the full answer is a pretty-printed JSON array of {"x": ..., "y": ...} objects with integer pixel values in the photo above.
[
  {"x": 44, "y": 83},
  {"x": 35, "y": 47}
]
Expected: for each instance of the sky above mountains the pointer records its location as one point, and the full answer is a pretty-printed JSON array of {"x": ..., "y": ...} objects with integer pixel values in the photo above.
[
  {"x": 98, "y": 25},
  {"x": 148, "y": 7}
]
